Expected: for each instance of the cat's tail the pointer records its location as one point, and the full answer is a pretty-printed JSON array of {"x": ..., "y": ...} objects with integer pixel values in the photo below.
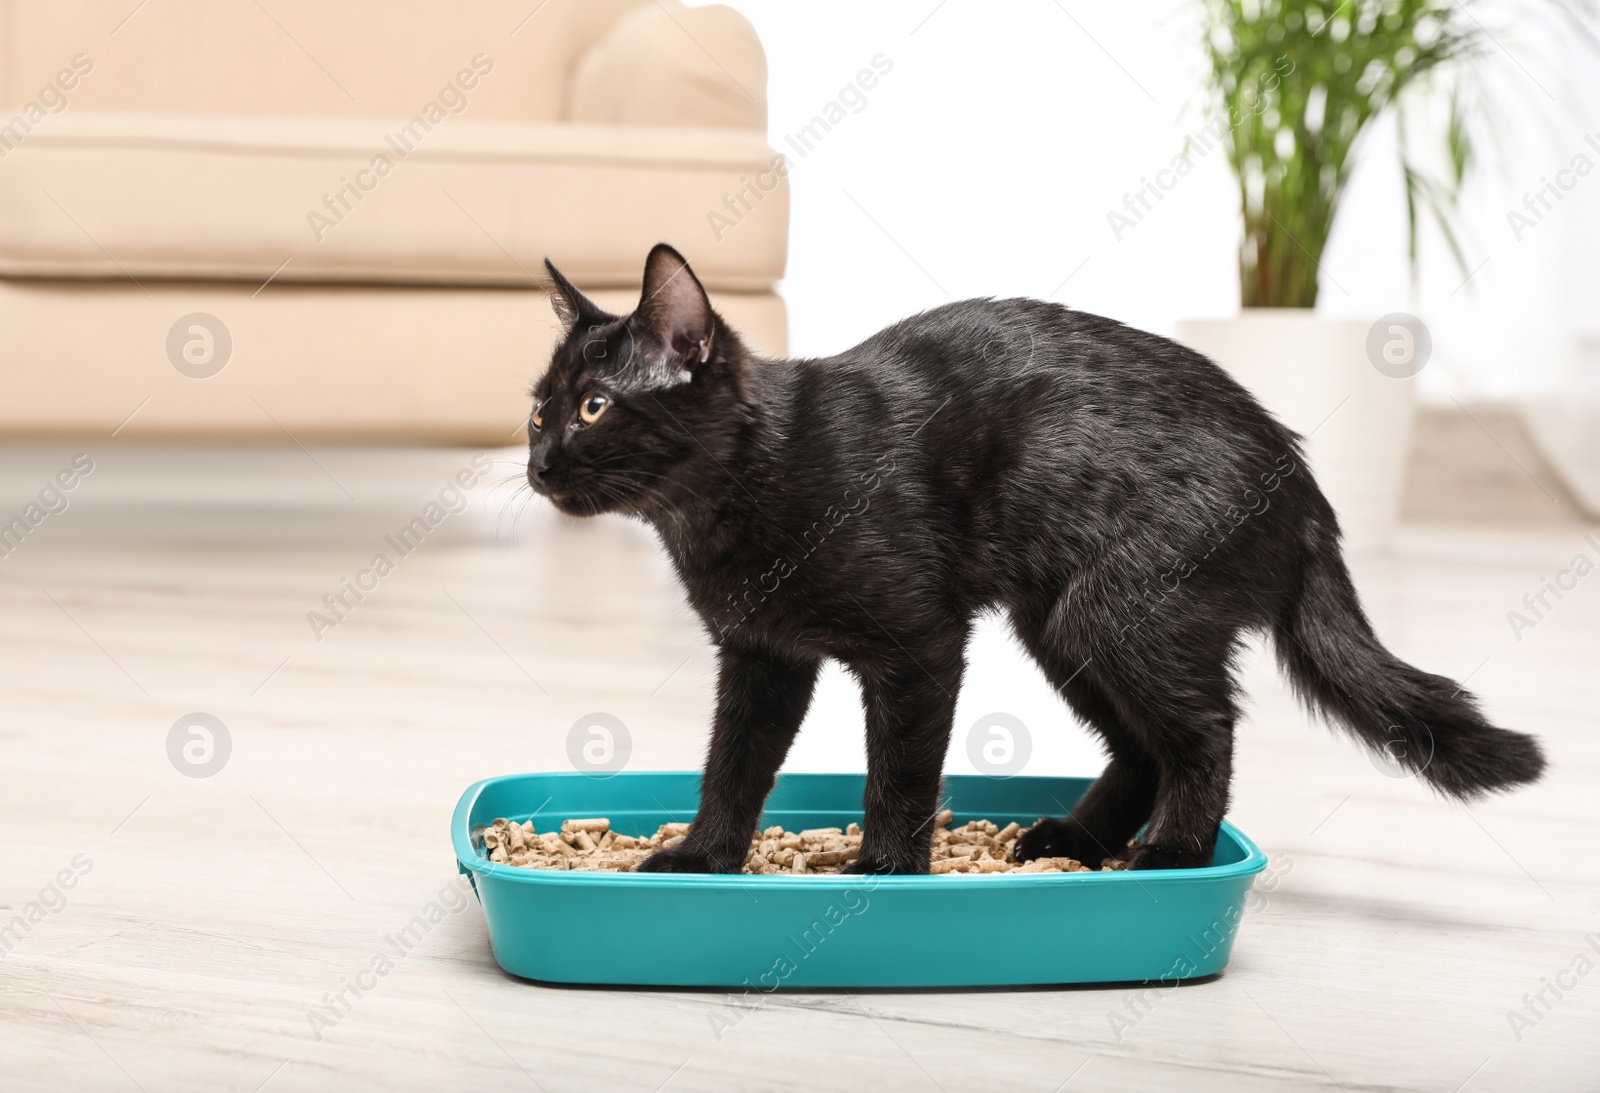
[{"x": 1422, "y": 723}]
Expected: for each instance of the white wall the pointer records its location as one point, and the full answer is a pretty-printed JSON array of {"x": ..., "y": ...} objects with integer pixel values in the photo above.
[{"x": 986, "y": 162}]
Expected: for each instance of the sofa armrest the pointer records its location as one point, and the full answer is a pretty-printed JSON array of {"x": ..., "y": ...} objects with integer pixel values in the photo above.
[{"x": 666, "y": 64}]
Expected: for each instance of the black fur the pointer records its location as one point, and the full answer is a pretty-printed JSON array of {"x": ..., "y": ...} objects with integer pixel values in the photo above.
[{"x": 1130, "y": 508}]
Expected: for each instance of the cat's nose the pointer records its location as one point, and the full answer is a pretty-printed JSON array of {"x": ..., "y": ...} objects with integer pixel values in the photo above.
[{"x": 540, "y": 458}]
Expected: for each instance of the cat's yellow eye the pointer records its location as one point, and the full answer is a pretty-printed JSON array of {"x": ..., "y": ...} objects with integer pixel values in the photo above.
[
  {"x": 592, "y": 407},
  {"x": 538, "y": 417}
]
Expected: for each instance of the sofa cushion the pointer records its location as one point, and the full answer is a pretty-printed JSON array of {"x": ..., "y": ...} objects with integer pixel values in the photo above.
[{"x": 450, "y": 200}]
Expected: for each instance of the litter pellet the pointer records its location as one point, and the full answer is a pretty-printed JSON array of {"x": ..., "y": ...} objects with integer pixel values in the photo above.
[
  {"x": 595, "y": 828},
  {"x": 975, "y": 848},
  {"x": 834, "y": 857}
]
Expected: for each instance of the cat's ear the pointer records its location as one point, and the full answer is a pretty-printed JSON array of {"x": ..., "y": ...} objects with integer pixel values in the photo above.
[
  {"x": 674, "y": 307},
  {"x": 566, "y": 301}
]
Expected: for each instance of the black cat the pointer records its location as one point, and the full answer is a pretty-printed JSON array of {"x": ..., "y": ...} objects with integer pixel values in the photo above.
[{"x": 1131, "y": 509}]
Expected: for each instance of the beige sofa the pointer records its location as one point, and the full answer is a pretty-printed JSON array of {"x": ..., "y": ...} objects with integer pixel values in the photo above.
[{"x": 329, "y": 220}]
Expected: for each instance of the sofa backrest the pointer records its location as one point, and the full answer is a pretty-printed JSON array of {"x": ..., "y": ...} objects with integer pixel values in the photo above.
[{"x": 296, "y": 57}]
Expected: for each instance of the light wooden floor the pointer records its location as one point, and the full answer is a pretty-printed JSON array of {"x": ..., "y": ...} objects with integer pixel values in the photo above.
[{"x": 209, "y": 915}]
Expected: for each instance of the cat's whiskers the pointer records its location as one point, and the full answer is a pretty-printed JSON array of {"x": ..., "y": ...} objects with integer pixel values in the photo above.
[{"x": 525, "y": 493}]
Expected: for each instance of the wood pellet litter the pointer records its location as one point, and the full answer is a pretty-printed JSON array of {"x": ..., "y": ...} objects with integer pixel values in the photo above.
[{"x": 979, "y": 846}]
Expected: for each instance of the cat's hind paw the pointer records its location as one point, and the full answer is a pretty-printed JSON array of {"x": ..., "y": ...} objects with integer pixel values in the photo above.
[
  {"x": 1056, "y": 839},
  {"x": 1169, "y": 857}
]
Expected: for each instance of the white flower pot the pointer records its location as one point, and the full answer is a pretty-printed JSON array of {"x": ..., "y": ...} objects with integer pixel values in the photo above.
[{"x": 1316, "y": 377}]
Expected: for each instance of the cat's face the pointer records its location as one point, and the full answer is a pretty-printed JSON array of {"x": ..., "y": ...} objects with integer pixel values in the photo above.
[{"x": 617, "y": 410}]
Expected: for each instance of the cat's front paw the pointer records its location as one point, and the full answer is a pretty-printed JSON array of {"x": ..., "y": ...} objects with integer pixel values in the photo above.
[
  {"x": 887, "y": 867},
  {"x": 682, "y": 858}
]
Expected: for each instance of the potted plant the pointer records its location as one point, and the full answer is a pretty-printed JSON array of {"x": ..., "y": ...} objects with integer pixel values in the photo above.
[{"x": 1295, "y": 85}]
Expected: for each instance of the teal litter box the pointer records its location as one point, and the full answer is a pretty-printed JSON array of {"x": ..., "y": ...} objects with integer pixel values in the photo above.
[{"x": 767, "y": 933}]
